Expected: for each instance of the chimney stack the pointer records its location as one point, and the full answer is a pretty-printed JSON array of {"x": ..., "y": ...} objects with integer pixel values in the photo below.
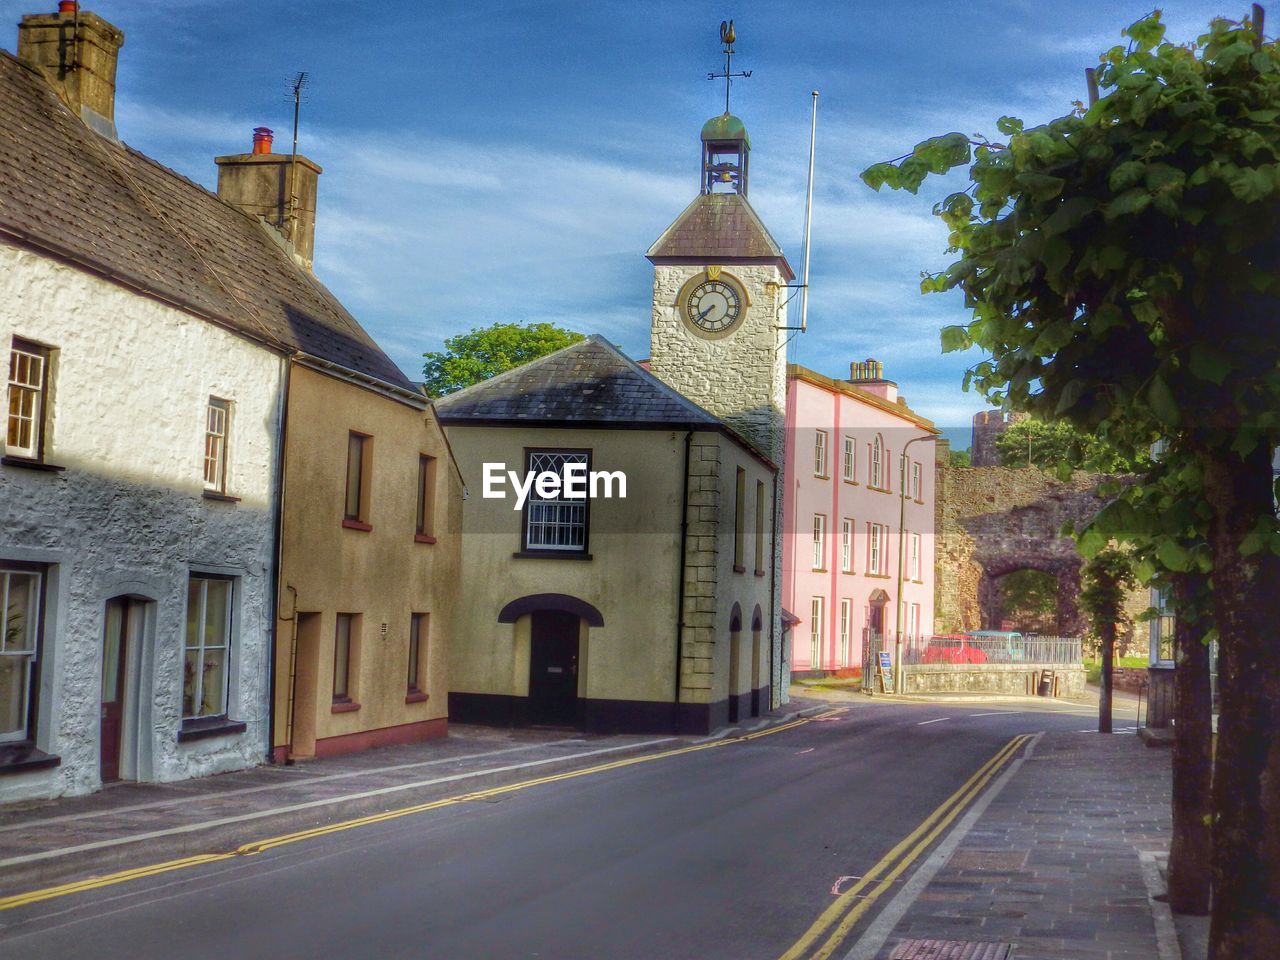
[
  {"x": 261, "y": 184},
  {"x": 868, "y": 375},
  {"x": 76, "y": 51}
]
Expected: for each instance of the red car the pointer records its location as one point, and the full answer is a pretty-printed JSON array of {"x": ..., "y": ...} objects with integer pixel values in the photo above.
[{"x": 953, "y": 648}]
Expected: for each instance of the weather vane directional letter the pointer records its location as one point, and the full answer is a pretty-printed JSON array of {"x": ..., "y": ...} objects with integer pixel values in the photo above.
[{"x": 727, "y": 36}]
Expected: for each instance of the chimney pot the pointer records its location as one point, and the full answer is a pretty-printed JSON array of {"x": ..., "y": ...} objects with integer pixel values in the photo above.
[
  {"x": 68, "y": 6},
  {"x": 262, "y": 137}
]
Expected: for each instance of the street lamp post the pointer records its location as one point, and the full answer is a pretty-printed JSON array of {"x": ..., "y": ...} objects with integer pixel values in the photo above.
[{"x": 899, "y": 680}]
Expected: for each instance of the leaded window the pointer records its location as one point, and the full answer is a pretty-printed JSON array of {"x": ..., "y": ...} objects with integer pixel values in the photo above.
[{"x": 555, "y": 522}]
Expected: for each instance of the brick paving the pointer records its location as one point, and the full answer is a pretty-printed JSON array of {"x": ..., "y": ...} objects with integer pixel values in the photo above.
[{"x": 1052, "y": 865}]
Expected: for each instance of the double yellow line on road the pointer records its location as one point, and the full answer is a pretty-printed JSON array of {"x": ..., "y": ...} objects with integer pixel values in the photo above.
[
  {"x": 838, "y": 919},
  {"x": 258, "y": 846}
]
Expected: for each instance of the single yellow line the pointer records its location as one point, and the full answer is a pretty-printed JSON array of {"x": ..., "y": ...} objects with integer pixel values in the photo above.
[
  {"x": 258, "y": 846},
  {"x": 837, "y": 908}
]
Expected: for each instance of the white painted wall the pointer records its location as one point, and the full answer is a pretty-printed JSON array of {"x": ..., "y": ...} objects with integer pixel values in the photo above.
[{"x": 131, "y": 380}]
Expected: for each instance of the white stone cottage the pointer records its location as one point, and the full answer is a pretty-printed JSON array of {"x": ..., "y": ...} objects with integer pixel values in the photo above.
[{"x": 147, "y": 328}]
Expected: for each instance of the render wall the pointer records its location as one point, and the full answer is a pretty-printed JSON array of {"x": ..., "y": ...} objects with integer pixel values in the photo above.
[
  {"x": 384, "y": 574},
  {"x": 811, "y": 408},
  {"x": 632, "y": 576},
  {"x": 131, "y": 379}
]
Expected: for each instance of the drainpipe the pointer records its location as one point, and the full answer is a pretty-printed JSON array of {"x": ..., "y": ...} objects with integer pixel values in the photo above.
[
  {"x": 277, "y": 566},
  {"x": 684, "y": 539}
]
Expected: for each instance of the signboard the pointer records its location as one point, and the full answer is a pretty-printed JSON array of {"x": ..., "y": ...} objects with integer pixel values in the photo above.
[{"x": 886, "y": 672}]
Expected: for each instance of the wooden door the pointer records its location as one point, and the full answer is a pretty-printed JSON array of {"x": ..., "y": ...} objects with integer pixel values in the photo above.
[
  {"x": 115, "y": 646},
  {"x": 553, "y": 668}
]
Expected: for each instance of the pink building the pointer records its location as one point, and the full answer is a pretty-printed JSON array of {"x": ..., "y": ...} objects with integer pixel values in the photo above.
[{"x": 845, "y": 548}]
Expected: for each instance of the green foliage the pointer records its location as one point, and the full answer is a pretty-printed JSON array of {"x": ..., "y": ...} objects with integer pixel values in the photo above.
[
  {"x": 485, "y": 352},
  {"x": 1105, "y": 579},
  {"x": 960, "y": 458},
  {"x": 1028, "y": 592},
  {"x": 1057, "y": 446},
  {"x": 1121, "y": 267}
]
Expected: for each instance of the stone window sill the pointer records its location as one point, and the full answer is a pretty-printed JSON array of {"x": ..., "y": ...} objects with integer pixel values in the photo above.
[
  {"x": 416, "y": 696},
  {"x": 878, "y": 576},
  {"x": 24, "y": 758},
  {"x": 205, "y": 727},
  {"x": 759, "y": 573},
  {"x": 423, "y": 538},
  {"x": 220, "y": 497},
  {"x": 357, "y": 525},
  {"x": 28, "y": 464},
  {"x": 739, "y": 568},
  {"x": 344, "y": 706}
]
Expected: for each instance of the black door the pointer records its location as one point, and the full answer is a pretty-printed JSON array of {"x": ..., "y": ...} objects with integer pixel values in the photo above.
[{"x": 553, "y": 668}]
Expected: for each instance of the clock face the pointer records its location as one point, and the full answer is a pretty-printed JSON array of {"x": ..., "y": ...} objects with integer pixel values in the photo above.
[{"x": 713, "y": 307}]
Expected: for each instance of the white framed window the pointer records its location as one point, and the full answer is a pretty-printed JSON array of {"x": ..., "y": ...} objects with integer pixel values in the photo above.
[
  {"x": 914, "y": 623},
  {"x": 739, "y": 520},
  {"x": 817, "y": 615},
  {"x": 877, "y": 463},
  {"x": 760, "y": 506},
  {"x": 915, "y": 480},
  {"x": 846, "y": 545},
  {"x": 820, "y": 453},
  {"x": 555, "y": 523},
  {"x": 208, "y": 646},
  {"x": 877, "y": 541},
  {"x": 846, "y": 631},
  {"x": 819, "y": 541},
  {"x": 19, "y": 649},
  {"x": 216, "y": 429},
  {"x": 849, "y": 461},
  {"x": 28, "y": 393},
  {"x": 913, "y": 558}
]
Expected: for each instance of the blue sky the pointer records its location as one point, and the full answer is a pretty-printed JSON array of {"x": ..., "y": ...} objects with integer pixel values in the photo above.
[{"x": 513, "y": 160}]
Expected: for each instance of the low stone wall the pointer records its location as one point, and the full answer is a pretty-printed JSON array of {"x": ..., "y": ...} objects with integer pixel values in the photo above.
[{"x": 1009, "y": 679}]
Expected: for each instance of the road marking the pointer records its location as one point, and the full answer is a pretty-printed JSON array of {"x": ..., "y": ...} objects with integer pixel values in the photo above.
[
  {"x": 878, "y": 931},
  {"x": 845, "y": 911},
  {"x": 998, "y": 713},
  {"x": 248, "y": 849},
  {"x": 925, "y": 723}
]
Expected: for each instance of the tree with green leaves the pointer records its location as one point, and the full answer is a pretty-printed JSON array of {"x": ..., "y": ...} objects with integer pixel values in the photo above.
[
  {"x": 1122, "y": 266},
  {"x": 960, "y": 458},
  {"x": 484, "y": 352},
  {"x": 1057, "y": 446},
  {"x": 1106, "y": 578}
]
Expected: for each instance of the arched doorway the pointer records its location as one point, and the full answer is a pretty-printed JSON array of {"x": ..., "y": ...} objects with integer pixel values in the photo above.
[
  {"x": 735, "y": 660},
  {"x": 757, "y": 626},
  {"x": 556, "y": 657},
  {"x": 124, "y": 624}
]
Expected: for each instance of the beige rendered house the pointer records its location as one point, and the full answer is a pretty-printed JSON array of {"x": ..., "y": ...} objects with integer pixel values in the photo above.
[{"x": 641, "y": 612}]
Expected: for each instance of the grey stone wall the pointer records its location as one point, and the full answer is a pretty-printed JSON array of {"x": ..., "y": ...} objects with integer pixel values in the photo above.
[{"x": 1004, "y": 679}]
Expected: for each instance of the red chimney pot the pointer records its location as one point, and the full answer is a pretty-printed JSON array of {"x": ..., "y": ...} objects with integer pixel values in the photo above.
[
  {"x": 262, "y": 139},
  {"x": 67, "y": 6}
]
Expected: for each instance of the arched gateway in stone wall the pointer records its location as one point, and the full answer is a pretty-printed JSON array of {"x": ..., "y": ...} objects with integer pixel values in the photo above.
[{"x": 993, "y": 521}]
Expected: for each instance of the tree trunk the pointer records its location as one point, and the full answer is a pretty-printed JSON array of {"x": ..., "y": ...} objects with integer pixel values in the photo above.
[
  {"x": 1191, "y": 846},
  {"x": 1245, "y": 922},
  {"x": 1107, "y": 631}
]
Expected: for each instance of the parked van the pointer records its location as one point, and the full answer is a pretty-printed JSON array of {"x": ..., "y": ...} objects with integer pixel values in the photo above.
[{"x": 1013, "y": 650}]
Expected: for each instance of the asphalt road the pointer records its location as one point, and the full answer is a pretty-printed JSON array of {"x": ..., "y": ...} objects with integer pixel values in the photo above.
[{"x": 724, "y": 853}]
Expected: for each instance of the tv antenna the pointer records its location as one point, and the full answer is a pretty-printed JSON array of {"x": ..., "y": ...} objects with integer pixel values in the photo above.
[{"x": 296, "y": 86}]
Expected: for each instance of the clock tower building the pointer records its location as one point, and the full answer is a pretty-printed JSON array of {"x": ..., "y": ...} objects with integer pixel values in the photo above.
[{"x": 719, "y": 294}]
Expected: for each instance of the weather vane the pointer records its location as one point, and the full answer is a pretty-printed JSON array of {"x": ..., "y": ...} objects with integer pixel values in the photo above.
[{"x": 727, "y": 36}]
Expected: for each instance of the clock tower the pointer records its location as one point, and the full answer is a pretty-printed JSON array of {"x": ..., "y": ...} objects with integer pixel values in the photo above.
[{"x": 719, "y": 294}]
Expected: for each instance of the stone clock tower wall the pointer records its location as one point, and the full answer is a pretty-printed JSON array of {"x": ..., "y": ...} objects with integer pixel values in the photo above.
[{"x": 741, "y": 378}]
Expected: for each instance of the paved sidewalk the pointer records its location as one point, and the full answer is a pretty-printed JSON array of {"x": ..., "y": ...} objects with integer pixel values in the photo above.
[
  {"x": 131, "y": 824},
  {"x": 1053, "y": 865}
]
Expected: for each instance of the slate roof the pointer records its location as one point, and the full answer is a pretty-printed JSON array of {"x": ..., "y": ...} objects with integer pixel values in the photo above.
[
  {"x": 719, "y": 227},
  {"x": 109, "y": 209},
  {"x": 590, "y": 382}
]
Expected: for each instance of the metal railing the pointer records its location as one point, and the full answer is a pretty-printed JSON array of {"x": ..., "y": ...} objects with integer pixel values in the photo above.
[{"x": 978, "y": 650}]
